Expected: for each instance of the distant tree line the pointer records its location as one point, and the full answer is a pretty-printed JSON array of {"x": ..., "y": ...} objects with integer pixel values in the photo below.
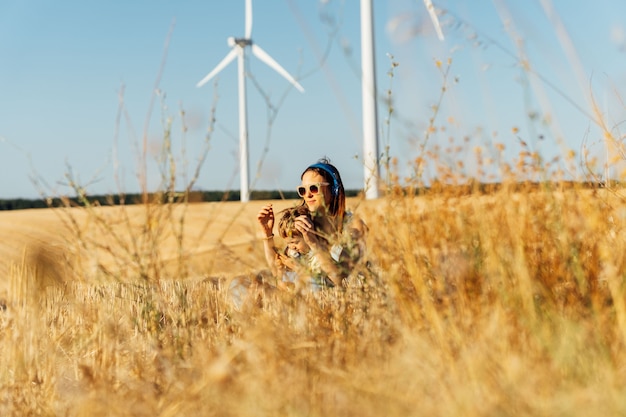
[
  {"x": 116, "y": 200},
  {"x": 212, "y": 196},
  {"x": 21, "y": 204}
]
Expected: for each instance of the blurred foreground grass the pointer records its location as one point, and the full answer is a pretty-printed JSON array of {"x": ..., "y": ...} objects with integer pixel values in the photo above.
[{"x": 506, "y": 303}]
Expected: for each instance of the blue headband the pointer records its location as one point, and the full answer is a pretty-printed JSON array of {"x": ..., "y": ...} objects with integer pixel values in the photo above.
[{"x": 333, "y": 174}]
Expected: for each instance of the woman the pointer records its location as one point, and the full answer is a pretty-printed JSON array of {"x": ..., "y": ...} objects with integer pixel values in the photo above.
[{"x": 336, "y": 237}]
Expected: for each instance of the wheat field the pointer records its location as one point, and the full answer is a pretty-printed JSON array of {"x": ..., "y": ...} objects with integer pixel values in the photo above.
[
  {"x": 506, "y": 303},
  {"x": 44, "y": 238}
]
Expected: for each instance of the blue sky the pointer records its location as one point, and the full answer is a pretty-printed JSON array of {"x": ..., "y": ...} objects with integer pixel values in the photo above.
[{"x": 65, "y": 67}]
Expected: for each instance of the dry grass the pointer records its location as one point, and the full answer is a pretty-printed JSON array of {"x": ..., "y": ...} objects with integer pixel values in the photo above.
[
  {"x": 510, "y": 303},
  {"x": 505, "y": 303}
]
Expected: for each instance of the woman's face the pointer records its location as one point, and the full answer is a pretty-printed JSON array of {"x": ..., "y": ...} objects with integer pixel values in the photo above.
[{"x": 320, "y": 201}]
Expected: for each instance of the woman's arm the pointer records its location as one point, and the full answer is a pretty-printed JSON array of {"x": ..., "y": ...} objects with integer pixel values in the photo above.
[
  {"x": 336, "y": 268},
  {"x": 332, "y": 260},
  {"x": 265, "y": 217},
  {"x": 271, "y": 257},
  {"x": 357, "y": 237}
]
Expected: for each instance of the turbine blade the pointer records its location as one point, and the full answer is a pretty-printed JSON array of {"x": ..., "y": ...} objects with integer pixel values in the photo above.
[
  {"x": 263, "y": 56},
  {"x": 227, "y": 59},
  {"x": 433, "y": 17},
  {"x": 248, "y": 31}
]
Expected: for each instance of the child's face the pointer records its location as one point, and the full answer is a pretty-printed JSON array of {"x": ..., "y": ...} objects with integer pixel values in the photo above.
[{"x": 297, "y": 244}]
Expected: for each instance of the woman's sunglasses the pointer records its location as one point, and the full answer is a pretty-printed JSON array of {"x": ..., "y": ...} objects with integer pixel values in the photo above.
[{"x": 312, "y": 188}]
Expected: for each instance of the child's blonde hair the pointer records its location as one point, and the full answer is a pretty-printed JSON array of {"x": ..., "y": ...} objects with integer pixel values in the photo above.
[{"x": 287, "y": 218}]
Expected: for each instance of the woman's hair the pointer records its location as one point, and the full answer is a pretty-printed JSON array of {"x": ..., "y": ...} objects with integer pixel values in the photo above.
[
  {"x": 287, "y": 218},
  {"x": 337, "y": 207}
]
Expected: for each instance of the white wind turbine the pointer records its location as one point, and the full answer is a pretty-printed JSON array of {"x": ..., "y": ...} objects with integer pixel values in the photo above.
[
  {"x": 368, "y": 91},
  {"x": 238, "y": 50}
]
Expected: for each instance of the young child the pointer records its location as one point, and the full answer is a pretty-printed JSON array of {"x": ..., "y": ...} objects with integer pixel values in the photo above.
[{"x": 295, "y": 266}]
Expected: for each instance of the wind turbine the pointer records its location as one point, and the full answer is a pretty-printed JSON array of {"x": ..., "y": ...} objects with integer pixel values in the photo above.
[
  {"x": 368, "y": 93},
  {"x": 238, "y": 51}
]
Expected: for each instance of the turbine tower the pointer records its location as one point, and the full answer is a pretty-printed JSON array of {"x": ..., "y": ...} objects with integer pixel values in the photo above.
[
  {"x": 238, "y": 51},
  {"x": 368, "y": 94}
]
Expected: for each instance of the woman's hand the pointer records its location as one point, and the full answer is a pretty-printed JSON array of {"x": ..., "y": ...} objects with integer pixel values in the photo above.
[
  {"x": 304, "y": 225},
  {"x": 266, "y": 219}
]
